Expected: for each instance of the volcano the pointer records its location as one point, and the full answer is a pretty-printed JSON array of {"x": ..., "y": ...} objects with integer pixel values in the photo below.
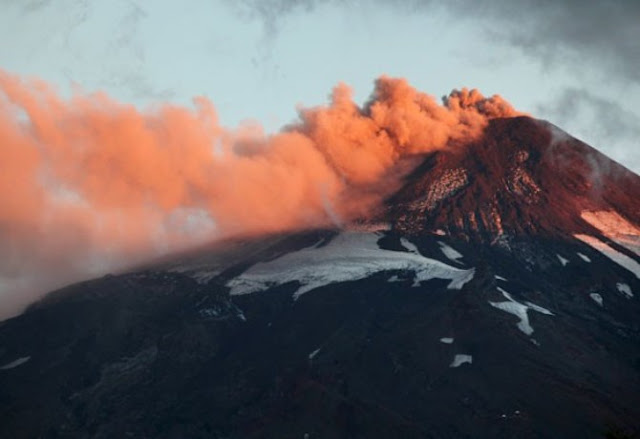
[{"x": 495, "y": 294}]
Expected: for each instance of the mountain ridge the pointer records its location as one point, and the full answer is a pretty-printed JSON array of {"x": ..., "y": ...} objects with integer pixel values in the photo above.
[{"x": 514, "y": 177}]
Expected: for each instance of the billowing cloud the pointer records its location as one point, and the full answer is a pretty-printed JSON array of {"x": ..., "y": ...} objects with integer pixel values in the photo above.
[{"x": 89, "y": 184}]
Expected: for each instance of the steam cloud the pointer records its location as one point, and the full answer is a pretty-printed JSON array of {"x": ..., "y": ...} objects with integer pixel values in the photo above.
[{"x": 89, "y": 185}]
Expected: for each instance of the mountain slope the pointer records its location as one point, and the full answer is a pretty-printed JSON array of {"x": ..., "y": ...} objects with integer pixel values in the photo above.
[
  {"x": 499, "y": 298},
  {"x": 524, "y": 177}
]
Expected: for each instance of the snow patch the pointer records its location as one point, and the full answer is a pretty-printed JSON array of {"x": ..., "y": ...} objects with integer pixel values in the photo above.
[
  {"x": 203, "y": 277},
  {"x": 597, "y": 298},
  {"x": 409, "y": 246},
  {"x": 501, "y": 278},
  {"x": 625, "y": 289},
  {"x": 15, "y": 363},
  {"x": 450, "y": 252},
  {"x": 617, "y": 257},
  {"x": 446, "y": 340},
  {"x": 519, "y": 310},
  {"x": 538, "y": 308},
  {"x": 440, "y": 232},
  {"x": 314, "y": 353},
  {"x": 209, "y": 312},
  {"x": 461, "y": 359},
  {"x": 615, "y": 227},
  {"x": 584, "y": 257},
  {"x": 395, "y": 278},
  {"x": 349, "y": 256},
  {"x": 562, "y": 260}
]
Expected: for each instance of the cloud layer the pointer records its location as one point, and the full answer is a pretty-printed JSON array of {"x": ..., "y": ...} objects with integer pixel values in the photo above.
[
  {"x": 607, "y": 120},
  {"x": 552, "y": 31}
]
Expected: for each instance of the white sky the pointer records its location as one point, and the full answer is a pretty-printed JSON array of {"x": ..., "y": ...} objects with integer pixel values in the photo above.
[{"x": 154, "y": 51}]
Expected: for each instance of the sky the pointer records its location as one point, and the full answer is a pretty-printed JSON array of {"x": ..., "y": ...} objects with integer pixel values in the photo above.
[
  {"x": 163, "y": 127},
  {"x": 574, "y": 64}
]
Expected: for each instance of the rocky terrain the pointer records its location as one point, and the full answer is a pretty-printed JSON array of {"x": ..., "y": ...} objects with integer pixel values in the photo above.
[{"x": 496, "y": 295}]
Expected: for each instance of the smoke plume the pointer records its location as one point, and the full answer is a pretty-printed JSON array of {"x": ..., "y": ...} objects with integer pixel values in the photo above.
[{"x": 89, "y": 185}]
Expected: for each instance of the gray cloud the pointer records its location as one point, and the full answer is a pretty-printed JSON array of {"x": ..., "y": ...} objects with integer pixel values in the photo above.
[
  {"x": 600, "y": 39},
  {"x": 271, "y": 12},
  {"x": 603, "y": 34},
  {"x": 614, "y": 128},
  {"x": 125, "y": 40}
]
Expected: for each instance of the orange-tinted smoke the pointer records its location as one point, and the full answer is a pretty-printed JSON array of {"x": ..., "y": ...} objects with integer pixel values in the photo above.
[{"x": 89, "y": 185}]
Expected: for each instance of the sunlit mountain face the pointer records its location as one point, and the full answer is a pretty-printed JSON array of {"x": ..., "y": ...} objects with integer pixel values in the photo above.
[{"x": 493, "y": 293}]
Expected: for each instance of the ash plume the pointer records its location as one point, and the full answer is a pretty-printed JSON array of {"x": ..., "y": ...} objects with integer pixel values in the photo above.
[{"x": 89, "y": 185}]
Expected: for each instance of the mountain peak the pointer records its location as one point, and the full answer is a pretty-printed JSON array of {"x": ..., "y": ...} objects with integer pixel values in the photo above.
[{"x": 523, "y": 176}]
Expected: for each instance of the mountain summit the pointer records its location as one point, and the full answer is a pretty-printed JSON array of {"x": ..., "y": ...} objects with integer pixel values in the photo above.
[
  {"x": 496, "y": 294},
  {"x": 524, "y": 177}
]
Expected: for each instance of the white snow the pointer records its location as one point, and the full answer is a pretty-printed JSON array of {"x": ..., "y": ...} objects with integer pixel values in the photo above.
[
  {"x": 597, "y": 298},
  {"x": 15, "y": 363},
  {"x": 409, "y": 246},
  {"x": 201, "y": 274},
  {"x": 208, "y": 262},
  {"x": 349, "y": 256},
  {"x": 203, "y": 277},
  {"x": 447, "y": 340},
  {"x": 562, "y": 260},
  {"x": 538, "y": 308},
  {"x": 617, "y": 257},
  {"x": 625, "y": 289},
  {"x": 440, "y": 232},
  {"x": 450, "y": 252},
  {"x": 500, "y": 278},
  {"x": 584, "y": 257},
  {"x": 519, "y": 310},
  {"x": 616, "y": 228},
  {"x": 314, "y": 353},
  {"x": 209, "y": 312},
  {"x": 461, "y": 359}
]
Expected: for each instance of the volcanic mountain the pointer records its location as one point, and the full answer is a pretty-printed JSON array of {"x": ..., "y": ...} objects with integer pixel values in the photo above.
[
  {"x": 496, "y": 294},
  {"x": 523, "y": 178}
]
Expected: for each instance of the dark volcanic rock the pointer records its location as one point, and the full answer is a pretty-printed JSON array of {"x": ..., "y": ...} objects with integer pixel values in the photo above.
[
  {"x": 524, "y": 177},
  {"x": 169, "y": 352}
]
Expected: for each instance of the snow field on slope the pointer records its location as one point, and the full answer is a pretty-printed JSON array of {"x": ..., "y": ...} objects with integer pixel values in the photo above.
[
  {"x": 461, "y": 359},
  {"x": 519, "y": 310},
  {"x": 617, "y": 257},
  {"x": 615, "y": 227},
  {"x": 15, "y": 363},
  {"x": 450, "y": 252},
  {"x": 349, "y": 256},
  {"x": 625, "y": 289}
]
